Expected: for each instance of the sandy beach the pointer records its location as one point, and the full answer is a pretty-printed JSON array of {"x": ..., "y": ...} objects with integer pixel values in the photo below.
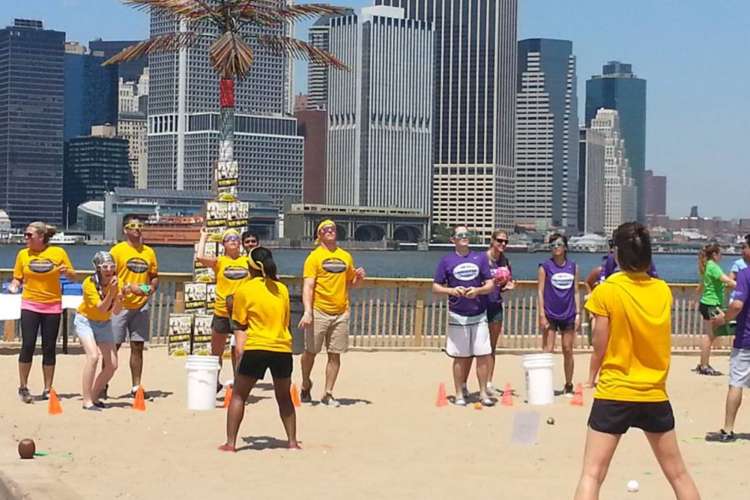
[{"x": 387, "y": 440}]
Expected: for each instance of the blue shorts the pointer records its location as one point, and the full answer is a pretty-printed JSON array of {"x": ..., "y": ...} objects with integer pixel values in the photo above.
[
  {"x": 495, "y": 313},
  {"x": 100, "y": 331}
]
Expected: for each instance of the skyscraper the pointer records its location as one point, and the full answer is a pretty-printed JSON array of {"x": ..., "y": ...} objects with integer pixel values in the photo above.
[
  {"x": 317, "y": 74},
  {"x": 380, "y": 112},
  {"x": 267, "y": 147},
  {"x": 129, "y": 71},
  {"x": 591, "y": 167},
  {"x": 655, "y": 187},
  {"x": 546, "y": 135},
  {"x": 474, "y": 117},
  {"x": 619, "y": 185},
  {"x": 32, "y": 89},
  {"x": 619, "y": 89},
  {"x": 91, "y": 91},
  {"x": 132, "y": 125}
]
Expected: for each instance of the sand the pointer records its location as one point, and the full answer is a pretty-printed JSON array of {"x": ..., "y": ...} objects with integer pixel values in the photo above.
[{"x": 388, "y": 440}]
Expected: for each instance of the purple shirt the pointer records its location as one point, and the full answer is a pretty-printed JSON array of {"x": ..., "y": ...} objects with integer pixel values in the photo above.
[
  {"x": 741, "y": 293},
  {"x": 559, "y": 290},
  {"x": 494, "y": 296},
  {"x": 471, "y": 270},
  {"x": 609, "y": 267}
]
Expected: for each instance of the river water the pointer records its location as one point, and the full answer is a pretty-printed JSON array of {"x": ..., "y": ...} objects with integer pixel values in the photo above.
[{"x": 389, "y": 264}]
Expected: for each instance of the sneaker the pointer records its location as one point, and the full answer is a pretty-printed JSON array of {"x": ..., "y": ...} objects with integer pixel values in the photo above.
[
  {"x": 219, "y": 387},
  {"x": 726, "y": 437},
  {"x": 459, "y": 401},
  {"x": 493, "y": 391},
  {"x": 133, "y": 390},
  {"x": 465, "y": 392},
  {"x": 707, "y": 370},
  {"x": 45, "y": 395},
  {"x": 488, "y": 402},
  {"x": 329, "y": 400},
  {"x": 568, "y": 390},
  {"x": 99, "y": 404},
  {"x": 24, "y": 395},
  {"x": 304, "y": 395},
  {"x": 92, "y": 407}
]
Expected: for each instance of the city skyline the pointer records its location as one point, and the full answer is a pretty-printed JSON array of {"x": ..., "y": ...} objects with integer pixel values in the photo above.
[{"x": 693, "y": 130}]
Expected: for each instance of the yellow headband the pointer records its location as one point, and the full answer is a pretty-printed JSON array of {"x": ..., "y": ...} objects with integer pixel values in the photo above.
[
  {"x": 258, "y": 266},
  {"x": 325, "y": 223}
]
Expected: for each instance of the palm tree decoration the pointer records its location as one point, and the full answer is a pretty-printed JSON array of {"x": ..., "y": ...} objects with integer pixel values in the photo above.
[{"x": 231, "y": 54}]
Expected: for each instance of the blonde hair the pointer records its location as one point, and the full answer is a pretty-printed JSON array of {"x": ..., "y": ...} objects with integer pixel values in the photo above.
[
  {"x": 44, "y": 229},
  {"x": 706, "y": 253}
]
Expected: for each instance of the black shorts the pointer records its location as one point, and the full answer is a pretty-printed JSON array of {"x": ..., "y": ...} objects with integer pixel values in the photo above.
[
  {"x": 495, "y": 313},
  {"x": 708, "y": 312},
  {"x": 255, "y": 363},
  {"x": 616, "y": 417},
  {"x": 222, "y": 325},
  {"x": 562, "y": 325}
]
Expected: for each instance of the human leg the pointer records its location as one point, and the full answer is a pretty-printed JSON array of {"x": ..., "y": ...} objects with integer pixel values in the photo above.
[
  {"x": 461, "y": 367},
  {"x": 30, "y": 322},
  {"x": 568, "y": 339},
  {"x": 548, "y": 339},
  {"x": 50, "y": 325},
  {"x": 109, "y": 366},
  {"x": 667, "y": 452},
  {"x": 732, "y": 406},
  {"x": 136, "y": 362},
  {"x": 91, "y": 361},
  {"x": 496, "y": 329},
  {"x": 236, "y": 412},
  {"x": 598, "y": 452}
]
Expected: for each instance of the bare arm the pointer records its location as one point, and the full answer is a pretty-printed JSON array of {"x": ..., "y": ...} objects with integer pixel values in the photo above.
[
  {"x": 308, "y": 285},
  {"x": 485, "y": 289},
  {"x": 599, "y": 340},
  {"x": 541, "y": 276},
  {"x": 734, "y": 310},
  {"x": 592, "y": 278},
  {"x": 15, "y": 285},
  {"x": 578, "y": 301},
  {"x": 439, "y": 289},
  {"x": 728, "y": 281}
]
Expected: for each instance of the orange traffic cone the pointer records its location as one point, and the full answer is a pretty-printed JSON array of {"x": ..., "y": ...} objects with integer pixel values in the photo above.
[
  {"x": 54, "y": 407},
  {"x": 577, "y": 396},
  {"x": 442, "y": 398},
  {"x": 507, "y": 399},
  {"x": 227, "y": 396},
  {"x": 139, "y": 403},
  {"x": 295, "y": 396}
]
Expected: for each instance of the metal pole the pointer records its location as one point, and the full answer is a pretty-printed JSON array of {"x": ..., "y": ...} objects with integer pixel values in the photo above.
[{"x": 181, "y": 104}]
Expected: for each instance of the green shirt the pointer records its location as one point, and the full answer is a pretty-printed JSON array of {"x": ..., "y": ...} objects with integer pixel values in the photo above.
[{"x": 713, "y": 288}]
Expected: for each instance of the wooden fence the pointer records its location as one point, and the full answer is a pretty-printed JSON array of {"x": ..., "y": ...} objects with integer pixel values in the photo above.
[{"x": 391, "y": 313}]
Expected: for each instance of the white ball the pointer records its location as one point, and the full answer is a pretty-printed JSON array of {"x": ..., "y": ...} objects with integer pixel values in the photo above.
[{"x": 633, "y": 486}]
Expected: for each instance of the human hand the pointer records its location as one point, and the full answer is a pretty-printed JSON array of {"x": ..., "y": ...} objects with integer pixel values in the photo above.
[
  {"x": 306, "y": 321},
  {"x": 113, "y": 281},
  {"x": 719, "y": 319},
  {"x": 471, "y": 292},
  {"x": 458, "y": 291},
  {"x": 509, "y": 286},
  {"x": 543, "y": 322},
  {"x": 359, "y": 274},
  {"x": 137, "y": 291},
  {"x": 589, "y": 385},
  {"x": 13, "y": 287},
  {"x": 578, "y": 322},
  {"x": 63, "y": 269}
]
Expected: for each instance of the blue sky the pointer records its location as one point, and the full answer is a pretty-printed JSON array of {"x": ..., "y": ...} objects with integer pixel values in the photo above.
[{"x": 692, "y": 52}]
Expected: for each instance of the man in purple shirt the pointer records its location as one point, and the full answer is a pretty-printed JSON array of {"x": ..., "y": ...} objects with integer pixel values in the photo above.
[
  {"x": 464, "y": 276},
  {"x": 739, "y": 360}
]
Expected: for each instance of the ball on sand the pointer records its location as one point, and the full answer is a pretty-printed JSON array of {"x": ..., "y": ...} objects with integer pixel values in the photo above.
[
  {"x": 26, "y": 448},
  {"x": 551, "y": 421},
  {"x": 633, "y": 486}
]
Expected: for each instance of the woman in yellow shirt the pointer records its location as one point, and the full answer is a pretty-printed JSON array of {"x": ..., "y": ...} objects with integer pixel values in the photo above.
[
  {"x": 632, "y": 350},
  {"x": 261, "y": 309},
  {"x": 231, "y": 270},
  {"x": 38, "y": 269},
  {"x": 101, "y": 299}
]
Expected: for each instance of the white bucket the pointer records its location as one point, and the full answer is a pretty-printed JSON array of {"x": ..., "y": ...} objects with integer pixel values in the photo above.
[
  {"x": 539, "y": 380},
  {"x": 202, "y": 376}
]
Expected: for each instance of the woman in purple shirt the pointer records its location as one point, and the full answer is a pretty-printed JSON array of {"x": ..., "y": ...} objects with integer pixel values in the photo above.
[{"x": 559, "y": 303}]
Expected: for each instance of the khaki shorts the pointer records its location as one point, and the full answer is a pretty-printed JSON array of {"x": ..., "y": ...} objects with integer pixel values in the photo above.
[{"x": 331, "y": 329}]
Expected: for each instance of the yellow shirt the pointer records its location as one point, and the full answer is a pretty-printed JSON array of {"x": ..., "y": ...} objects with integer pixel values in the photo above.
[
  {"x": 332, "y": 272},
  {"x": 230, "y": 274},
  {"x": 134, "y": 267},
  {"x": 91, "y": 300},
  {"x": 40, "y": 273},
  {"x": 636, "y": 363},
  {"x": 262, "y": 307}
]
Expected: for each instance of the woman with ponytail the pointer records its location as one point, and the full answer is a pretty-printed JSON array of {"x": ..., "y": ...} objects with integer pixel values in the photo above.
[
  {"x": 713, "y": 280},
  {"x": 38, "y": 269},
  {"x": 261, "y": 313}
]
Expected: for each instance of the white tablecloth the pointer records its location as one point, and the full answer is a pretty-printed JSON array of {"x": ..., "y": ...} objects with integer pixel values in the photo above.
[{"x": 10, "y": 305}]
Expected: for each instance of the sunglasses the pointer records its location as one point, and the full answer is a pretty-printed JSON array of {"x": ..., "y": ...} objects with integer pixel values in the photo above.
[
  {"x": 28, "y": 235},
  {"x": 134, "y": 225},
  {"x": 557, "y": 244},
  {"x": 462, "y": 236},
  {"x": 502, "y": 241},
  {"x": 107, "y": 267},
  {"x": 231, "y": 238},
  {"x": 328, "y": 229},
  {"x": 250, "y": 242}
]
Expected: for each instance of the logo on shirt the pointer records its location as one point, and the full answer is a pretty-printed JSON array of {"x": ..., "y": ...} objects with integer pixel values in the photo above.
[
  {"x": 336, "y": 266},
  {"x": 41, "y": 266},
  {"x": 137, "y": 265},
  {"x": 235, "y": 273},
  {"x": 562, "y": 281},
  {"x": 466, "y": 271}
]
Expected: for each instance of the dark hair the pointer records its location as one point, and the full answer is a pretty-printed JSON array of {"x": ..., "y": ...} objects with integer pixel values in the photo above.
[
  {"x": 247, "y": 234},
  {"x": 633, "y": 243},
  {"x": 264, "y": 258},
  {"x": 453, "y": 233},
  {"x": 558, "y": 236},
  {"x": 747, "y": 240},
  {"x": 706, "y": 253},
  {"x": 130, "y": 217}
]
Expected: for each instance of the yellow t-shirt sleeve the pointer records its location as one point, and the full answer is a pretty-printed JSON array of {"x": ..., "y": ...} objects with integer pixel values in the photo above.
[
  {"x": 596, "y": 303},
  {"x": 66, "y": 261},
  {"x": 310, "y": 269},
  {"x": 18, "y": 268},
  {"x": 349, "y": 269},
  {"x": 90, "y": 295},
  {"x": 153, "y": 269},
  {"x": 287, "y": 313},
  {"x": 239, "y": 309}
]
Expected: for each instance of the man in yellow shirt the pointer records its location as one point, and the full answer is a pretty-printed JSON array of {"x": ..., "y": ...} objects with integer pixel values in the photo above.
[
  {"x": 138, "y": 274},
  {"x": 328, "y": 273},
  {"x": 632, "y": 350}
]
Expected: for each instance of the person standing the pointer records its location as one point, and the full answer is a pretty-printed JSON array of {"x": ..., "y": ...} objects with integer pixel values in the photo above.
[
  {"x": 741, "y": 263},
  {"x": 739, "y": 360},
  {"x": 559, "y": 304},
  {"x": 38, "y": 269},
  {"x": 250, "y": 240},
  {"x": 328, "y": 274},
  {"x": 93, "y": 325},
  {"x": 138, "y": 274},
  {"x": 632, "y": 350},
  {"x": 503, "y": 279},
  {"x": 261, "y": 311},
  {"x": 712, "y": 297},
  {"x": 465, "y": 277}
]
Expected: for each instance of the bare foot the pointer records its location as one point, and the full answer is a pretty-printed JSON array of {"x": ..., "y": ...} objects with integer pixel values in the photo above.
[
  {"x": 294, "y": 445},
  {"x": 227, "y": 447}
]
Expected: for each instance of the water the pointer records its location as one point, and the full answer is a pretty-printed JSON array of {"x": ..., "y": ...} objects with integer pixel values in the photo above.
[{"x": 389, "y": 264}]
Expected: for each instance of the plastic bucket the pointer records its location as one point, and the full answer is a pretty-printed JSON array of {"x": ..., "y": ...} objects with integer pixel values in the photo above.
[
  {"x": 202, "y": 376},
  {"x": 539, "y": 380}
]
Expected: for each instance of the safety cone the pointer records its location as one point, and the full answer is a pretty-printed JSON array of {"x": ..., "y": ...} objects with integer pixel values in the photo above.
[
  {"x": 577, "y": 396},
  {"x": 139, "y": 403},
  {"x": 54, "y": 407},
  {"x": 442, "y": 398},
  {"x": 507, "y": 399},
  {"x": 227, "y": 396},
  {"x": 295, "y": 396}
]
